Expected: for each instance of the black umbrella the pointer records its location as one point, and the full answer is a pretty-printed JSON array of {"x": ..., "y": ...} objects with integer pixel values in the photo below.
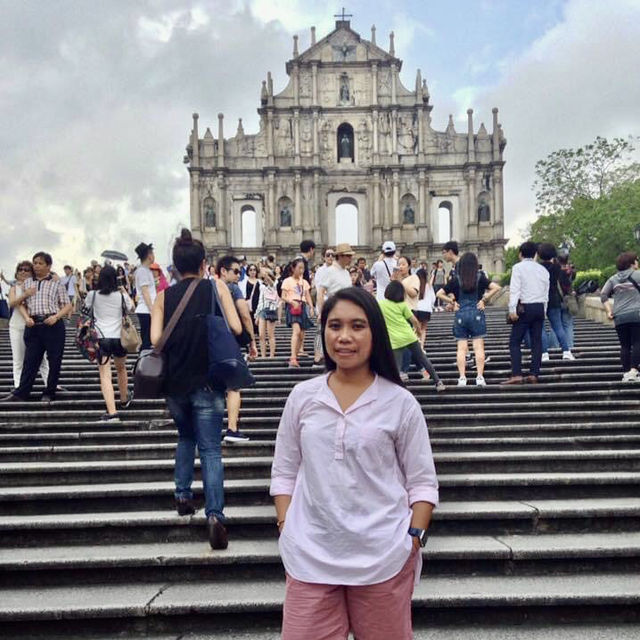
[{"x": 114, "y": 255}]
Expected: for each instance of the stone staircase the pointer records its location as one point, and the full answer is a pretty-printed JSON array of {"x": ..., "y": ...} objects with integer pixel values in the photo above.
[{"x": 537, "y": 536}]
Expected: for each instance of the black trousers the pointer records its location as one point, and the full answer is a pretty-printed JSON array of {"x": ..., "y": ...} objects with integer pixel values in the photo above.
[
  {"x": 629, "y": 336},
  {"x": 145, "y": 330},
  {"x": 531, "y": 320},
  {"x": 39, "y": 340},
  {"x": 419, "y": 357}
]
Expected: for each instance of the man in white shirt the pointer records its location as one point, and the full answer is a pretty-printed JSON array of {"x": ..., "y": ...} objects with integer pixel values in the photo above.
[
  {"x": 528, "y": 298},
  {"x": 146, "y": 290},
  {"x": 382, "y": 270},
  {"x": 337, "y": 276}
]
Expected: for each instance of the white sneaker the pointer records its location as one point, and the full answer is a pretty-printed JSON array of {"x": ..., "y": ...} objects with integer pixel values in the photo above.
[
  {"x": 545, "y": 357},
  {"x": 480, "y": 381},
  {"x": 404, "y": 377},
  {"x": 631, "y": 376},
  {"x": 567, "y": 355},
  {"x": 462, "y": 382}
]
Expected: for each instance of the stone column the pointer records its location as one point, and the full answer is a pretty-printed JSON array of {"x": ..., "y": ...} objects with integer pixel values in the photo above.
[
  {"x": 497, "y": 215},
  {"x": 375, "y": 198},
  {"x": 422, "y": 211},
  {"x": 470, "y": 179},
  {"x": 396, "y": 199},
  {"x": 270, "y": 150},
  {"x": 496, "y": 136},
  {"x": 314, "y": 85},
  {"x": 296, "y": 85},
  {"x": 471, "y": 152},
  {"x": 197, "y": 223},
  {"x": 297, "y": 217},
  {"x": 374, "y": 83},
  {"x": 375, "y": 136},
  {"x": 316, "y": 144},
  {"x": 195, "y": 143},
  {"x": 394, "y": 81},
  {"x": 394, "y": 135},
  {"x": 316, "y": 206},
  {"x": 272, "y": 221},
  {"x": 223, "y": 213},
  {"x": 419, "y": 112},
  {"x": 296, "y": 134}
]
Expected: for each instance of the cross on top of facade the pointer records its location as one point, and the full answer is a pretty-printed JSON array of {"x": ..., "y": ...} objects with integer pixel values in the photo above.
[{"x": 343, "y": 15}]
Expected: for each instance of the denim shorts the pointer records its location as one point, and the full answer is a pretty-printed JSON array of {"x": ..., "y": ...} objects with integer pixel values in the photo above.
[{"x": 469, "y": 323}]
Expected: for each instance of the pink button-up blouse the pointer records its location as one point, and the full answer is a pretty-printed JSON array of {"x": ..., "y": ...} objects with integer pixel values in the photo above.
[{"x": 352, "y": 476}]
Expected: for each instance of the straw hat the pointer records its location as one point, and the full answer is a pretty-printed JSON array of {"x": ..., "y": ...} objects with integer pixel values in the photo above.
[{"x": 344, "y": 249}]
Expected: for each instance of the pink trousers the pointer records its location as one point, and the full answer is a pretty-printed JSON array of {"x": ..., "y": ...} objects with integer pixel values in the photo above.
[{"x": 328, "y": 612}]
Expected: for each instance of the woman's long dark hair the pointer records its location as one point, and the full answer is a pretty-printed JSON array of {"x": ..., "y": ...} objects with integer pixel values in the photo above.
[
  {"x": 467, "y": 269},
  {"x": 423, "y": 276},
  {"x": 107, "y": 281},
  {"x": 382, "y": 360}
]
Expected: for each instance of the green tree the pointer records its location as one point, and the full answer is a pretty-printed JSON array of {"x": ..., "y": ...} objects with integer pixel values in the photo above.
[
  {"x": 587, "y": 173},
  {"x": 596, "y": 229}
]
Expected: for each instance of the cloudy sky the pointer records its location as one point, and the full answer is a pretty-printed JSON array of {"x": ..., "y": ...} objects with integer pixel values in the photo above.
[{"x": 96, "y": 97}]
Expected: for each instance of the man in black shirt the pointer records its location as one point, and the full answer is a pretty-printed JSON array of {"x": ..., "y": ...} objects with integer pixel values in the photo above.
[{"x": 307, "y": 249}]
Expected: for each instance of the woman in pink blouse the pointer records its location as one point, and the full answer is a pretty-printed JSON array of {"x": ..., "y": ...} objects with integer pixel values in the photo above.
[{"x": 354, "y": 485}]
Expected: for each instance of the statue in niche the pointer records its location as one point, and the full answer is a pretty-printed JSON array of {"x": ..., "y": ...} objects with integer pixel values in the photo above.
[
  {"x": 487, "y": 181},
  {"x": 344, "y": 88},
  {"x": 384, "y": 129},
  {"x": 484, "y": 211},
  {"x": 346, "y": 150},
  {"x": 406, "y": 137},
  {"x": 285, "y": 216},
  {"x": 408, "y": 214},
  {"x": 209, "y": 213}
]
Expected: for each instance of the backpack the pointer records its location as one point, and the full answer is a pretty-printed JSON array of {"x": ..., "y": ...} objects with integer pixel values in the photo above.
[{"x": 87, "y": 336}]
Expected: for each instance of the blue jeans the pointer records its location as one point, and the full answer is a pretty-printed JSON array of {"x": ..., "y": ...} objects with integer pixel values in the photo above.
[
  {"x": 198, "y": 417},
  {"x": 555, "y": 320},
  {"x": 567, "y": 324}
]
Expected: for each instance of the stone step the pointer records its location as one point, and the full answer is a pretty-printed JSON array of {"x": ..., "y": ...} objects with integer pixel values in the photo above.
[
  {"x": 478, "y": 518},
  {"x": 141, "y": 495},
  {"x": 14, "y": 474},
  {"x": 255, "y": 559},
  {"x": 437, "y": 599},
  {"x": 137, "y": 446}
]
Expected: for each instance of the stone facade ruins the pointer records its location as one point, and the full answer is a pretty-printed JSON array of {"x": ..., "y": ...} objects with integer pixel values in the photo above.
[{"x": 346, "y": 131}]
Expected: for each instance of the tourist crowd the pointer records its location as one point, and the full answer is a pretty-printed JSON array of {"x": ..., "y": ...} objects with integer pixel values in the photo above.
[{"x": 351, "y": 441}]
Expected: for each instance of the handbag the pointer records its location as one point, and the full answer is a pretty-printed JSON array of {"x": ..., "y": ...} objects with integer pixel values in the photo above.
[
  {"x": 5, "y": 312},
  {"x": 568, "y": 301},
  {"x": 519, "y": 312},
  {"x": 87, "y": 338},
  {"x": 129, "y": 337},
  {"x": 150, "y": 368},
  {"x": 227, "y": 366}
]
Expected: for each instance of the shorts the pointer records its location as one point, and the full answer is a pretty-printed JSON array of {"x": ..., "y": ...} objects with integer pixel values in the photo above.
[
  {"x": 111, "y": 348},
  {"x": 423, "y": 316},
  {"x": 270, "y": 315},
  {"x": 469, "y": 323}
]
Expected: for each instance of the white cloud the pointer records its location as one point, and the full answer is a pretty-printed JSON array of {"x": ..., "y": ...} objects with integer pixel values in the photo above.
[{"x": 577, "y": 81}]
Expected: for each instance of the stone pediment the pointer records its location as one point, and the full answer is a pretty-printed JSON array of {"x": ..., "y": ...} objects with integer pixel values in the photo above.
[{"x": 342, "y": 45}]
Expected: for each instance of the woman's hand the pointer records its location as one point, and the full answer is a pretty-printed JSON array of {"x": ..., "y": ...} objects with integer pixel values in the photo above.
[
  {"x": 480, "y": 305},
  {"x": 31, "y": 291},
  {"x": 610, "y": 315}
]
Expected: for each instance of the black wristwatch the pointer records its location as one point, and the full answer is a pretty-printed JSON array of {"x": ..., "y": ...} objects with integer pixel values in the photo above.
[{"x": 421, "y": 534}]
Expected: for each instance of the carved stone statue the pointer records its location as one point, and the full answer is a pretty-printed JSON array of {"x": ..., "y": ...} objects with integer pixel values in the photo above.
[
  {"x": 408, "y": 214},
  {"x": 285, "y": 216},
  {"x": 209, "y": 213},
  {"x": 344, "y": 88},
  {"x": 384, "y": 129},
  {"x": 345, "y": 146},
  {"x": 484, "y": 211}
]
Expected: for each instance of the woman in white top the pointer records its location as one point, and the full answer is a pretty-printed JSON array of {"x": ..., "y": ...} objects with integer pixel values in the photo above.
[
  {"x": 267, "y": 313},
  {"x": 354, "y": 485},
  {"x": 424, "y": 306},
  {"x": 17, "y": 297},
  {"x": 108, "y": 304}
]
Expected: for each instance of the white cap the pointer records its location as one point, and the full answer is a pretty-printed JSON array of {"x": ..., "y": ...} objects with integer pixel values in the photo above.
[{"x": 389, "y": 247}]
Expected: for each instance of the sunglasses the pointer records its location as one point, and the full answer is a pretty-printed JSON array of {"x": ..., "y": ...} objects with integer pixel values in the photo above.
[
  {"x": 236, "y": 271},
  {"x": 25, "y": 269},
  {"x": 329, "y": 255}
]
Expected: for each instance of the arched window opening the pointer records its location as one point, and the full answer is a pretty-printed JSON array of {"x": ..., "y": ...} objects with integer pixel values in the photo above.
[
  {"x": 209, "y": 209},
  {"x": 445, "y": 222},
  {"x": 347, "y": 221},
  {"x": 345, "y": 143},
  {"x": 248, "y": 226}
]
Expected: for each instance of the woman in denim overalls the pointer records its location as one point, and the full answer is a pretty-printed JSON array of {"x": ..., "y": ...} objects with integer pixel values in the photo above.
[{"x": 467, "y": 289}]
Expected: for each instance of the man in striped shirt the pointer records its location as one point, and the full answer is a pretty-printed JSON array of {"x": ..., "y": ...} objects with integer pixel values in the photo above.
[{"x": 44, "y": 331}]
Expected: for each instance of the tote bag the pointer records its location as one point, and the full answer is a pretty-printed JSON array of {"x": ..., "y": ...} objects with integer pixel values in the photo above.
[{"x": 227, "y": 366}]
